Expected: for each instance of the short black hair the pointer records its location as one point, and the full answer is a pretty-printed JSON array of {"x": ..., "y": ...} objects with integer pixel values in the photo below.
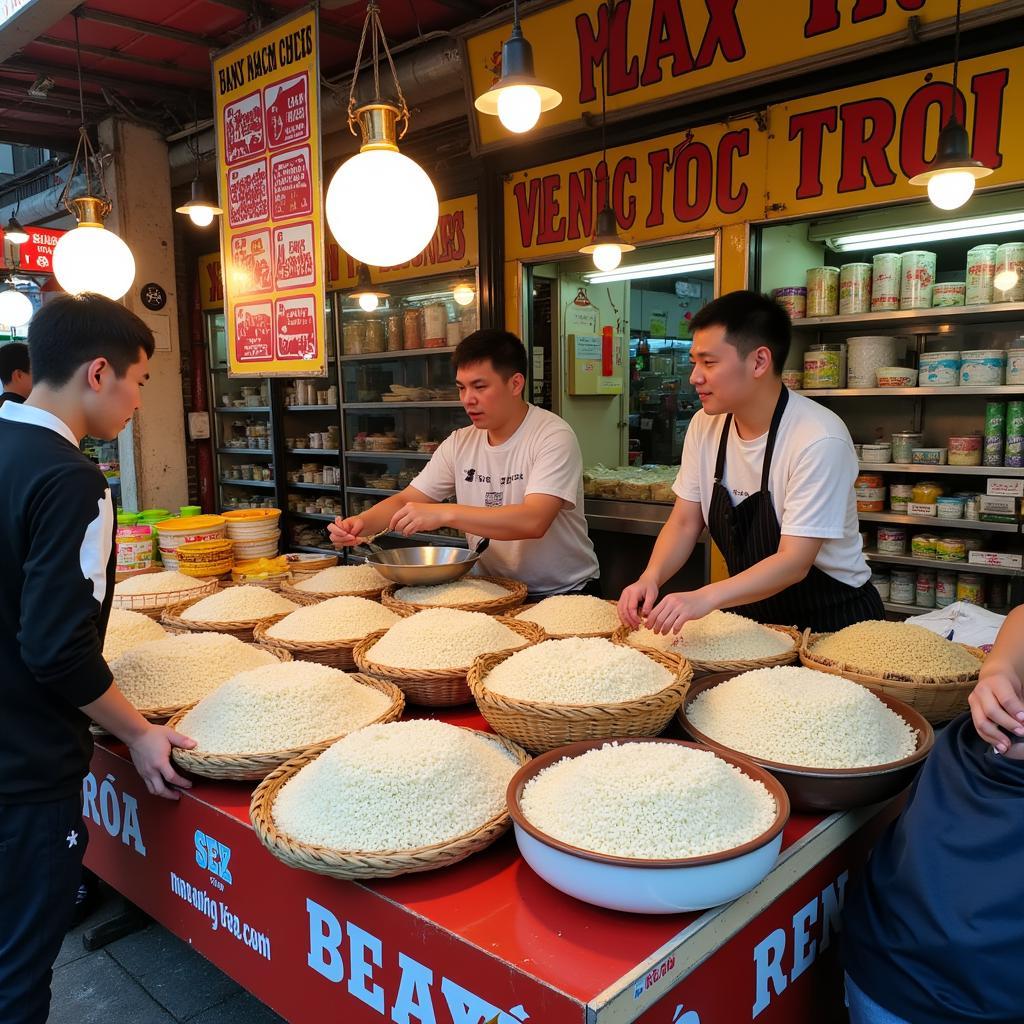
[
  {"x": 750, "y": 320},
  {"x": 13, "y": 357},
  {"x": 71, "y": 330},
  {"x": 506, "y": 353}
]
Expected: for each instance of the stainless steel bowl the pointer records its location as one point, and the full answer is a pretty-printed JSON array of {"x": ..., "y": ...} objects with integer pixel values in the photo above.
[{"x": 423, "y": 567}]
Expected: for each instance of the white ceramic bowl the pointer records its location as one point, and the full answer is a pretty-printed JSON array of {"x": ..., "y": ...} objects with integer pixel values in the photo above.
[{"x": 647, "y": 886}]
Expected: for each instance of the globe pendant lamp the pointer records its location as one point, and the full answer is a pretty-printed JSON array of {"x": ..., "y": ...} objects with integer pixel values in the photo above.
[
  {"x": 200, "y": 209},
  {"x": 953, "y": 173},
  {"x": 463, "y": 294},
  {"x": 90, "y": 258},
  {"x": 381, "y": 206},
  {"x": 606, "y": 247},
  {"x": 365, "y": 293},
  {"x": 16, "y": 309},
  {"x": 518, "y": 97}
]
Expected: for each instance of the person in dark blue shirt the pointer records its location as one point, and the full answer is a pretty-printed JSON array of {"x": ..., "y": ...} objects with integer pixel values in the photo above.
[{"x": 933, "y": 931}]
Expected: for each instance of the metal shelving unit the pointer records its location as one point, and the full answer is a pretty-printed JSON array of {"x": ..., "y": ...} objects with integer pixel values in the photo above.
[
  {"x": 259, "y": 452},
  {"x": 900, "y": 467},
  {"x": 934, "y": 522},
  {"x": 390, "y": 454},
  {"x": 938, "y": 563},
  {"x": 312, "y": 451},
  {"x": 372, "y": 490},
  {"x": 333, "y": 488},
  {"x": 402, "y": 405},
  {"x": 996, "y": 391},
  {"x": 265, "y": 484},
  {"x": 905, "y": 319},
  {"x": 405, "y": 354}
]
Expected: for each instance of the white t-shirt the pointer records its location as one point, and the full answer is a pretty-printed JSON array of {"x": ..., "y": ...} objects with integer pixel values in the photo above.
[
  {"x": 541, "y": 457},
  {"x": 811, "y": 479}
]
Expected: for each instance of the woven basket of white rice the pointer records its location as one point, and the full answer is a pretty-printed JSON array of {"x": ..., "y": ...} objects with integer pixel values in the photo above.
[
  {"x": 327, "y": 631},
  {"x": 236, "y": 611},
  {"x": 126, "y": 630},
  {"x": 721, "y": 642},
  {"x": 493, "y": 595},
  {"x": 261, "y": 718},
  {"x": 151, "y": 593},
  {"x": 428, "y": 655},
  {"x": 573, "y": 615},
  {"x": 360, "y": 580},
  {"x": 908, "y": 662},
  {"x": 832, "y": 742},
  {"x": 388, "y": 800},
  {"x": 577, "y": 688},
  {"x": 161, "y": 677}
]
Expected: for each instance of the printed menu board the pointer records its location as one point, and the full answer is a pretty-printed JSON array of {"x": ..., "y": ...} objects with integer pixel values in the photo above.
[{"x": 272, "y": 234}]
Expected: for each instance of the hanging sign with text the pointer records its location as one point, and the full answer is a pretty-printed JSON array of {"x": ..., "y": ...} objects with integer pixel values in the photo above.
[
  {"x": 36, "y": 255},
  {"x": 272, "y": 234}
]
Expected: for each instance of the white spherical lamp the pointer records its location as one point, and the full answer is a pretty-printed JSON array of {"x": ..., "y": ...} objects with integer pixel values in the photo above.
[
  {"x": 953, "y": 174},
  {"x": 951, "y": 189},
  {"x": 607, "y": 257},
  {"x": 16, "y": 309},
  {"x": 90, "y": 258},
  {"x": 519, "y": 108},
  {"x": 368, "y": 302},
  {"x": 381, "y": 206},
  {"x": 606, "y": 247},
  {"x": 463, "y": 294}
]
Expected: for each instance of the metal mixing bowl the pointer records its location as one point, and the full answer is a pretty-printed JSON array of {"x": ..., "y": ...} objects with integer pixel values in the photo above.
[{"x": 423, "y": 567}]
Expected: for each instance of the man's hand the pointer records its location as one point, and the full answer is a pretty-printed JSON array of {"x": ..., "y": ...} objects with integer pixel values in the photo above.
[
  {"x": 637, "y": 600},
  {"x": 419, "y": 517},
  {"x": 151, "y": 755},
  {"x": 997, "y": 704},
  {"x": 673, "y": 612},
  {"x": 345, "y": 532}
]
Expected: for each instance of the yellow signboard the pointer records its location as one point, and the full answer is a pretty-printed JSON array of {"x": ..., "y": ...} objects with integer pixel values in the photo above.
[
  {"x": 454, "y": 247},
  {"x": 858, "y": 147},
  {"x": 676, "y": 185},
  {"x": 211, "y": 282},
  {"x": 658, "y": 51},
  {"x": 267, "y": 110}
]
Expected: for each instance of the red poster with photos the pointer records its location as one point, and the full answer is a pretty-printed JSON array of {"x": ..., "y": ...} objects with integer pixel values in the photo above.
[
  {"x": 287, "y": 112},
  {"x": 267, "y": 116},
  {"x": 291, "y": 184},
  {"x": 294, "y": 259}
]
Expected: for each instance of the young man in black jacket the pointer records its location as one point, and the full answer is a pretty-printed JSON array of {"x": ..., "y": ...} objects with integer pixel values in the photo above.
[
  {"x": 89, "y": 360},
  {"x": 15, "y": 372}
]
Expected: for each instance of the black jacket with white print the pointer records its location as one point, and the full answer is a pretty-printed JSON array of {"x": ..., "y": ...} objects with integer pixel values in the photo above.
[{"x": 56, "y": 584}]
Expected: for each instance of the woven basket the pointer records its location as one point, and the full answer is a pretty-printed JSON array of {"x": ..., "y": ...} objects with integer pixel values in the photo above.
[
  {"x": 789, "y": 657},
  {"x": 938, "y": 699},
  {"x": 496, "y": 606},
  {"x": 433, "y": 688},
  {"x": 353, "y": 864},
  {"x": 274, "y": 584},
  {"x": 605, "y": 635},
  {"x": 172, "y": 619},
  {"x": 154, "y": 605},
  {"x": 540, "y": 726},
  {"x": 314, "y": 597},
  {"x": 335, "y": 653},
  {"x": 250, "y": 766}
]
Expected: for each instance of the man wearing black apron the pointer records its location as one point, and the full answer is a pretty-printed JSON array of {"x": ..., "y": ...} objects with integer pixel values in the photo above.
[{"x": 771, "y": 475}]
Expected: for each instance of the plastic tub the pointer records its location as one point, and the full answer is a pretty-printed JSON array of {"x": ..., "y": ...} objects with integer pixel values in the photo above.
[
  {"x": 939, "y": 369},
  {"x": 865, "y": 354},
  {"x": 896, "y": 377},
  {"x": 983, "y": 367},
  {"x": 949, "y": 293}
]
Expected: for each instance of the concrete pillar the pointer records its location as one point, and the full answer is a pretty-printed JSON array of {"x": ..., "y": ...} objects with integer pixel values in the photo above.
[{"x": 152, "y": 447}]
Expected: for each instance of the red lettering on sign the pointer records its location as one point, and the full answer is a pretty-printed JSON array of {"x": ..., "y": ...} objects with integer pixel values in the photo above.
[
  {"x": 581, "y": 204},
  {"x": 459, "y": 226},
  {"x": 214, "y": 282},
  {"x": 610, "y": 43},
  {"x": 864, "y": 147},
  {"x": 625, "y": 211},
  {"x": 723, "y": 33},
  {"x": 248, "y": 194},
  {"x": 296, "y": 336},
  {"x": 989, "y": 89},
  {"x": 658, "y": 161},
  {"x": 914, "y": 124},
  {"x": 732, "y": 144},
  {"x": 693, "y": 185},
  {"x": 527, "y": 195},
  {"x": 666, "y": 38},
  {"x": 810, "y": 127},
  {"x": 552, "y": 227},
  {"x": 823, "y": 15}
]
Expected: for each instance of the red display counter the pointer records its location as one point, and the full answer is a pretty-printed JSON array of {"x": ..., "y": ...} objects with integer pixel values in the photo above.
[{"x": 485, "y": 940}]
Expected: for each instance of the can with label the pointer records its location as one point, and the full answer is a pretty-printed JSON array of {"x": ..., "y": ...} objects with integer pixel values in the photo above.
[
  {"x": 1015, "y": 362},
  {"x": 1008, "y": 282},
  {"x": 949, "y": 293},
  {"x": 792, "y": 300},
  {"x": 900, "y": 495},
  {"x": 939, "y": 369},
  {"x": 854, "y": 288},
  {"x": 823, "y": 291},
  {"x": 823, "y": 365},
  {"x": 793, "y": 379},
  {"x": 981, "y": 271},
  {"x": 902, "y": 586},
  {"x": 903, "y": 445},
  {"x": 950, "y": 549},
  {"x": 925, "y": 589},
  {"x": 923, "y": 545},
  {"x": 970, "y": 587},
  {"x": 966, "y": 450},
  {"x": 917, "y": 278},
  {"x": 885, "y": 282},
  {"x": 945, "y": 589},
  {"x": 880, "y": 581},
  {"x": 870, "y": 491},
  {"x": 892, "y": 540},
  {"x": 995, "y": 433}
]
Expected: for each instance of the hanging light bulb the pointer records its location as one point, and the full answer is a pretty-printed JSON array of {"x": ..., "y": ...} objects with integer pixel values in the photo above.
[
  {"x": 518, "y": 97},
  {"x": 953, "y": 174},
  {"x": 200, "y": 209},
  {"x": 14, "y": 232},
  {"x": 381, "y": 206},
  {"x": 463, "y": 294},
  {"x": 365, "y": 292},
  {"x": 16, "y": 309}
]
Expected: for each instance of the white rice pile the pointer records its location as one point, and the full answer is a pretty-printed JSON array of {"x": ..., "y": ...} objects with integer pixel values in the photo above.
[
  {"x": 464, "y": 591},
  {"x": 281, "y": 706},
  {"x": 343, "y": 579},
  {"x": 804, "y": 718},
  {"x": 339, "y": 618},
  {"x": 181, "y": 669},
  {"x": 570, "y": 614},
  {"x": 439, "y": 638},
  {"x": 654, "y": 801},
  {"x": 396, "y": 787},
  {"x": 578, "y": 670},
  {"x": 156, "y": 583},
  {"x": 896, "y": 648},
  {"x": 719, "y": 636},
  {"x": 126, "y": 630},
  {"x": 239, "y": 604}
]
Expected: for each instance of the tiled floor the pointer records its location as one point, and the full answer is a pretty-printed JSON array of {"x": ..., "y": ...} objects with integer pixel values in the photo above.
[{"x": 150, "y": 977}]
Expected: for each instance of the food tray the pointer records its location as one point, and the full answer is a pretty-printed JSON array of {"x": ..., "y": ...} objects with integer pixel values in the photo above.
[{"x": 153, "y": 605}]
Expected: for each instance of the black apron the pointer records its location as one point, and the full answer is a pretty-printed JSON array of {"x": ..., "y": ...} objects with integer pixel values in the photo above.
[{"x": 749, "y": 532}]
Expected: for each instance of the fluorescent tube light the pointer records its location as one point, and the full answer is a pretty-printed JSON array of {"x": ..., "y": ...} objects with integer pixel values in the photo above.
[
  {"x": 936, "y": 231},
  {"x": 661, "y": 268}
]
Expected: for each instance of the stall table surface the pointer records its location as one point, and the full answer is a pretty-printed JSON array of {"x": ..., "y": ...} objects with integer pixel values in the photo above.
[{"x": 484, "y": 940}]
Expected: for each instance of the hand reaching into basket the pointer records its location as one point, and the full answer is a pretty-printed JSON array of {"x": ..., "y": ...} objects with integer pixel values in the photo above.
[
  {"x": 151, "y": 755},
  {"x": 345, "y": 532},
  {"x": 637, "y": 600},
  {"x": 674, "y": 611}
]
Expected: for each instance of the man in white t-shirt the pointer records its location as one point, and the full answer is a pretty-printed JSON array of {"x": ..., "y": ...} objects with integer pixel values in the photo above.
[
  {"x": 516, "y": 475},
  {"x": 770, "y": 474}
]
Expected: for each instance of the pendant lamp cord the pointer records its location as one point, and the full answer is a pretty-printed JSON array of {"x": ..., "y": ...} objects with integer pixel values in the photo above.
[
  {"x": 604, "y": 118},
  {"x": 373, "y": 26},
  {"x": 956, "y": 56}
]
